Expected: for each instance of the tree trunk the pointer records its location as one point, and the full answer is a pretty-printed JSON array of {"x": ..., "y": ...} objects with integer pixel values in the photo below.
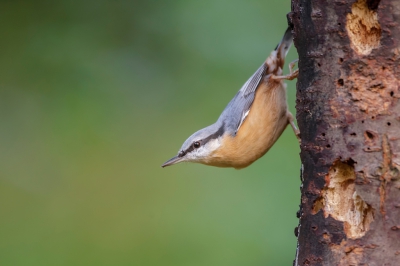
[{"x": 348, "y": 112}]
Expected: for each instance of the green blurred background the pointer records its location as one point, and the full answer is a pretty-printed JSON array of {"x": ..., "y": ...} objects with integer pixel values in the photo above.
[{"x": 96, "y": 95}]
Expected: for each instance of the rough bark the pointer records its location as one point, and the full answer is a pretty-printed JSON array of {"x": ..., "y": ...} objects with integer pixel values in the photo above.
[{"x": 348, "y": 112}]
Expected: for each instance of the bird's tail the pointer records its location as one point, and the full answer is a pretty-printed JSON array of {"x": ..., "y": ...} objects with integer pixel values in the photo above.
[{"x": 283, "y": 47}]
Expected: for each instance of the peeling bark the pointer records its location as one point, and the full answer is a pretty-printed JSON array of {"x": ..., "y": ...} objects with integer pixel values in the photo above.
[{"x": 348, "y": 112}]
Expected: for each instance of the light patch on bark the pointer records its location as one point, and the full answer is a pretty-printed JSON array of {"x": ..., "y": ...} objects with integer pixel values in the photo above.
[
  {"x": 388, "y": 172},
  {"x": 340, "y": 200},
  {"x": 363, "y": 28},
  {"x": 373, "y": 88},
  {"x": 350, "y": 255}
]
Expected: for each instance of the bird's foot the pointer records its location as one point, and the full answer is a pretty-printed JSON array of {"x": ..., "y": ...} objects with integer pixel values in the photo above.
[
  {"x": 292, "y": 74},
  {"x": 293, "y": 125}
]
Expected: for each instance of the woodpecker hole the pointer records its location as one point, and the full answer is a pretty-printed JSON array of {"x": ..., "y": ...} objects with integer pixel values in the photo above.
[
  {"x": 391, "y": 93},
  {"x": 339, "y": 199},
  {"x": 373, "y": 4},
  {"x": 363, "y": 27},
  {"x": 314, "y": 227},
  {"x": 369, "y": 135},
  {"x": 340, "y": 82},
  {"x": 389, "y": 124}
]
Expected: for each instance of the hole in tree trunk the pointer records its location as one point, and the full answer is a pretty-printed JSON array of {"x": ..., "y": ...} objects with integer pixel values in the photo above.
[{"x": 363, "y": 27}]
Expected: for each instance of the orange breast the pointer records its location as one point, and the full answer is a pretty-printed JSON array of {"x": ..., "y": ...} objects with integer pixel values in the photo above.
[{"x": 264, "y": 124}]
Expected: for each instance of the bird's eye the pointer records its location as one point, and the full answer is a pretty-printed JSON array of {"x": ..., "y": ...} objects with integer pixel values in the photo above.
[{"x": 196, "y": 144}]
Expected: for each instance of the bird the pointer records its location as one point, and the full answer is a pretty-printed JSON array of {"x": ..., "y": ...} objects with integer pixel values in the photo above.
[{"x": 251, "y": 122}]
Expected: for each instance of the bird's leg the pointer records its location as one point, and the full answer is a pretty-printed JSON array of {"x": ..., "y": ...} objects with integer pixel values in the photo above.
[
  {"x": 292, "y": 75},
  {"x": 293, "y": 125}
]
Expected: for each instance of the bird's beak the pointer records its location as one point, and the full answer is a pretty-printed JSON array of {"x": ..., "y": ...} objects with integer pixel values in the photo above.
[{"x": 172, "y": 161}]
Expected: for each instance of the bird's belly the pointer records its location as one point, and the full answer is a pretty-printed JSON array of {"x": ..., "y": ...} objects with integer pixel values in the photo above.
[{"x": 264, "y": 124}]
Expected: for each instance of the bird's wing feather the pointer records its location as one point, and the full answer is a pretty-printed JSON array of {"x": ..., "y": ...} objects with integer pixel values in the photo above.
[
  {"x": 252, "y": 83},
  {"x": 238, "y": 108}
]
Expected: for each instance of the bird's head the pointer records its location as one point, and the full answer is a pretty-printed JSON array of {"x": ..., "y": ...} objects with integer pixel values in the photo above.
[{"x": 200, "y": 146}]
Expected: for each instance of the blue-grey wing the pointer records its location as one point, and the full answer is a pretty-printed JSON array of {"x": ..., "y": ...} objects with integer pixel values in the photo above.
[
  {"x": 252, "y": 83},
  {"x": 238, "y": 108}
]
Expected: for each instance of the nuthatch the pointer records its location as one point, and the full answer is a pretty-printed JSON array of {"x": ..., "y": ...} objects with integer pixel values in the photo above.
[{"x": 251, "y": 123}]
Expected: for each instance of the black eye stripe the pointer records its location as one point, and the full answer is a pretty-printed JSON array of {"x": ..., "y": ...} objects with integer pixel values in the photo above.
[
  {"x": 191, "y": 148},
  {"x": 215, "y": 135}
]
